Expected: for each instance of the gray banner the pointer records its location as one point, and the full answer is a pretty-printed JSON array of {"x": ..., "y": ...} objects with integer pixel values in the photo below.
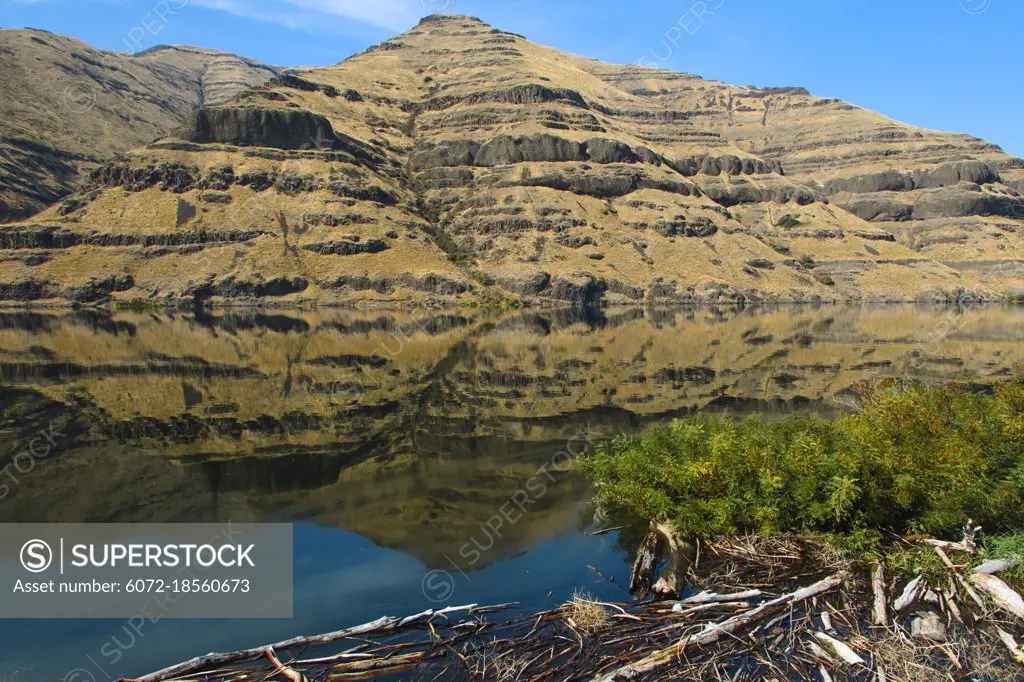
[{"x": 151, "y": 571}]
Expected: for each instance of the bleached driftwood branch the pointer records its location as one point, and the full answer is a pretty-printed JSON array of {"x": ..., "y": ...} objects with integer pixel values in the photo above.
[{"x": 713, "y": 633}]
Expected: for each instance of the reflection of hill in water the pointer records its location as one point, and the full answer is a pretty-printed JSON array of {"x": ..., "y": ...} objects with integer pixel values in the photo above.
[{"x": 414, "y": 430}]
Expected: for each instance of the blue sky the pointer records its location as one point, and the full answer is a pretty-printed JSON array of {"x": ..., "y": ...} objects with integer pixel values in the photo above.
[{"x": 944, "y": 64}]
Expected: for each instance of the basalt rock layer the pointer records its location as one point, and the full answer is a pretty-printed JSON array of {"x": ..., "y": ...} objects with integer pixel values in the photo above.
[{"x": 457, "y": 161}]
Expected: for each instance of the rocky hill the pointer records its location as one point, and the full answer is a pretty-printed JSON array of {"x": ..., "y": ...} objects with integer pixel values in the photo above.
[
  {"x": 66, "y": 107},
  {"x": 458, "y": 161}
]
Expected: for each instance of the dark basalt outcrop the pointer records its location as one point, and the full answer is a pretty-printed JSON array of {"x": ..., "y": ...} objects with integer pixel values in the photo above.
[
  {"x": 879, "y": 209},
  {"x": 232, "y": 287},
  {"x": 518, "y": 94},
  {"x": 253, "y": 127},
  {"x": 175, "y": 177},
  {"x": 898, "y": 181},
  {"x": 527, "y": 285},
  {"x": 292, "y": 81},
  {"x": 540, "y": 147},
  {"x": 680, "y": 227},
  {"x": 347, "y": 248},
  {"x": 38, "y": 237},
  {"x": 728, "y": 164},
  {"x": 51, "y": 237},
  {"x": 574, "y": 241},
  {"x": 276, "y": 128},
  {"x": 741, "y": 192},
  {"x": 26, "y": 290},
  {"x": 607, "y": 184},
  {"x": 957, "y": 202},
  {"x": 97, "y": 290},
  {"x": 432, "y": 283}
]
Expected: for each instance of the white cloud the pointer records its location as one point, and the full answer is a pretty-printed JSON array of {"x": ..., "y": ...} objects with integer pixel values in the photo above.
[{"x": 393, "y": 15}]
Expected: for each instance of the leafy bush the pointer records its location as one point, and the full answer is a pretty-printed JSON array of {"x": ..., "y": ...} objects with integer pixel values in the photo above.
[
  {"x": 913, "y": 459},
  {"x": 788, "y": 221}
]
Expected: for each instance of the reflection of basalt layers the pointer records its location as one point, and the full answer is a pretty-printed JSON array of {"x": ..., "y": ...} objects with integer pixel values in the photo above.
[
  {"x": 460, "y": 160},
  {"x": 415, "y": 431}
]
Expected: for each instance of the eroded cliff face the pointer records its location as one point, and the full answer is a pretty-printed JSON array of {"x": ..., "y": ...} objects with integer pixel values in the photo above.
[
  {"x": 458, "y": 161},
  {"x": 66, "y": 107}
]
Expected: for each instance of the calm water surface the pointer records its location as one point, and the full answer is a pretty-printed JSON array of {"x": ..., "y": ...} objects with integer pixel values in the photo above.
[{"x": 391, "y": 440}]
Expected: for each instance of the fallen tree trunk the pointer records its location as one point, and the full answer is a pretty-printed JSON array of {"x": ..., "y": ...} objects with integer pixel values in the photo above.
[
  {"x": 1002, "y": 594},
  {"x": 706, "y": 597},
  {"x": 672, "y": 580},
  {"x": 642, "y": 574},
  {"x": 713, "y": 633},
  {"x": 386, "y": 624},
  {"x": 661, "y": 541},
  {"x": 878, "y": 614}
]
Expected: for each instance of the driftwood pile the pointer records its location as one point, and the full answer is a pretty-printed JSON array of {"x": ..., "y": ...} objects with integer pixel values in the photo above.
[{"x": 756, "y": 609}]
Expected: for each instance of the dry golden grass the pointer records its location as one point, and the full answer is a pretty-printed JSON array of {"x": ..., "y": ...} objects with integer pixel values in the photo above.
[{"x": 586, "y": 614}]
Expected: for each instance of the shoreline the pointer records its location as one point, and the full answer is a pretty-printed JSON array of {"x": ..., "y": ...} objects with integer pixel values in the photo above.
[
  {"x": 185, "y": 306},
  {"x": 756, "y": 607}
]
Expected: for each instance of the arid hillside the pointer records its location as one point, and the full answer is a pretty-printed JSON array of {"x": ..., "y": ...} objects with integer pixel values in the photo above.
[
  {"x": 459, "y": 162},
  {"x": 66, "y": 107}
]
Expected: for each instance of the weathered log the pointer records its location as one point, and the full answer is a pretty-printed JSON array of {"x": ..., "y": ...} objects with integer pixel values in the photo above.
[
  {"x": 1002, "y": 594},
  {"x": 671, "y": 581},
  {"x": 953, "y": 546},
  {"x": 706, "y": 597},
  {"x": 642, "y": 574},
  {"x": 993, "y": 566},
  {"x": 713, "y": 633},
  {"x": 661, "y": 541},
  {"x": 997, "y": 565},
  {"x": 878, "y": 614},
  {"x": 387, "y": 624}
]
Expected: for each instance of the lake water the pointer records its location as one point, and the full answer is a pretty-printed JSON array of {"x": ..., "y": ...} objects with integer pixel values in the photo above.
[{"x": 391, "y": 440}]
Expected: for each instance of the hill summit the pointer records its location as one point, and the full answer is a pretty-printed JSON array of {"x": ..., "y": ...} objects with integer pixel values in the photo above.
[{"x": 458, "y": 162}]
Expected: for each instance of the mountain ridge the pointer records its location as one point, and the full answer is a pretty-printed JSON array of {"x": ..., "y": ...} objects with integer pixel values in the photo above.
[
  {"x": 63, "y": 98},
  {"x": 457, "y": 162}
]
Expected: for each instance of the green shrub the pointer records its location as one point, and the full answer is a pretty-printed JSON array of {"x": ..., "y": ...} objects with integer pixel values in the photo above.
[
  {"x": 914, "y": 459},
  {"x": 788, "y": 221}
]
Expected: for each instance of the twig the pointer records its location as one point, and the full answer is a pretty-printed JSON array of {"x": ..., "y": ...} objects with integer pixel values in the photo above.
[
  {"x": 281, "y": 668},
  {"x": 1011, "y": 644},
  {"x": 605, "y": 530}
]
